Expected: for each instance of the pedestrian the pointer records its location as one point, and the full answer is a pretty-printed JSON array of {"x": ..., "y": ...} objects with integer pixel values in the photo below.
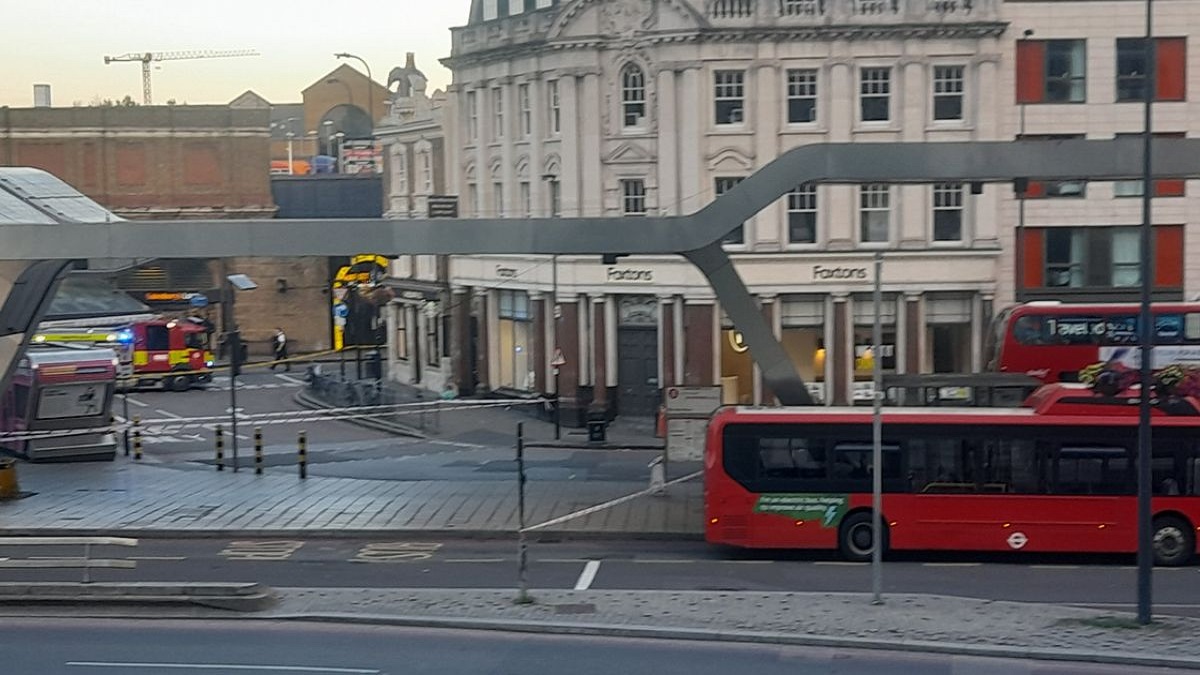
[{"x": 281, "y": 351}]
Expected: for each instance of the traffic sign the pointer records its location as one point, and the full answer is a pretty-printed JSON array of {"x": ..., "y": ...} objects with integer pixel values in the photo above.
[{"x": 559, "y": 360}]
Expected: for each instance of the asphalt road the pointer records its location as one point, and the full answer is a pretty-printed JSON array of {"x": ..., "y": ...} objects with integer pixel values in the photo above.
[
  {"x": 636, "y": 565},
  {"x": 96, "y": 647},
  {"x": 341, "y": 449}
]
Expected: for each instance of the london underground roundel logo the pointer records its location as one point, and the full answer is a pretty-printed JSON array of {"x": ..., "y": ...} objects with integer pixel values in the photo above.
[{"x": 1017, "y": 540}]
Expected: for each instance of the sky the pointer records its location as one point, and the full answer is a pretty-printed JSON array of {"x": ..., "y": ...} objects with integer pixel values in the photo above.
[{"x": 63, "y": 43}]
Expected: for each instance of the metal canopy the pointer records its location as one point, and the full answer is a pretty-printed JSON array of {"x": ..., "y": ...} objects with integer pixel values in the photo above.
[{"x": 696, "y": 235}]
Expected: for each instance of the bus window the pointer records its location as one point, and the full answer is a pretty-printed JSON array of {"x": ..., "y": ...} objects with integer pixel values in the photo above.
[
  {"x": 1191, "y": 327},
  {"x": 158, "y": 338},
  {"x": 852, "y": 461},
  {"x": 1093, "y": 470},
  {"x": 791, "y": 458},
  {"x": 1029, "y": 330}
]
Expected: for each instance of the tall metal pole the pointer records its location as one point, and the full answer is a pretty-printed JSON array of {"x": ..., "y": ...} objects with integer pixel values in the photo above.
[
  {"x": 1145, "y": 551},
  {"x": 877, "y": 440},
  {"x": 554, "y": 313},
  {"x": 522, "y": 549},
  {"x": 236, "y": 361},
  {"x": 370, "y": 85}
]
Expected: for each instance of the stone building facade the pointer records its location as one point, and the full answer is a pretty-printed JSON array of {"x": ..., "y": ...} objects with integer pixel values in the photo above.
[{"x": 635, "y": 107}]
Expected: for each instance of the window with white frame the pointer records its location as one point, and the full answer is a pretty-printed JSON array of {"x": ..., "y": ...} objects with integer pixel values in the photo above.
[
  {"x": 722, "y": 185},
  {"x": 498, "y": 198},
  {"x": 633, "y": 96},
  {"x": 802, "y": 214},
  {"x": 472, "y": 115},
  {"x": 801, "y": 95},
  {"x": 555, "y": 197},
  {"x": 425, "y": 159},
  {"x": 948, "y": 87},
  {"x": 948, "y": 212},
  {"x": 526, "y": 108},
  {"x": 554, "y": 105},
  {"x": 497, "y": 112},
  {"x": 633, "y": 197},
  {"x": 729, "y": 92},
  {"x": 526, "y": 199},
  {"x": 473, "y": 206},
  {"x": 433, "y": 350},
  {"x": 874, "y": 213},
  {"x": 400, "y": 172},
  {"x": 874, "y": 94},
  {"x": 402, "y": 333}
]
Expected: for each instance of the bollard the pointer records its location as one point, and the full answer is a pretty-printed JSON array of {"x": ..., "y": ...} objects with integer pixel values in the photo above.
[
  {"x": 258, "y": 451},
  {"x": 658, "y": 477},
  {"x": 303, "y": 443},
  {"x": 137, "y": 437},
  {"x": 220, "y": 439}
]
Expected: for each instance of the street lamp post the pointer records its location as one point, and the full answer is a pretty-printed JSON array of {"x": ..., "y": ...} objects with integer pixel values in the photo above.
[
  {"x": 349, "y": 91},
  {"x": 1145, "y": 548},
  {"x": 370, "y": 85},
  {"x": 327, "y": 125},
  {"x": 339, "y": 136},
  {"x": 233, "y": 338},
  {"x": 291, "y": 167},
  {"x": 552, "y": 182}
]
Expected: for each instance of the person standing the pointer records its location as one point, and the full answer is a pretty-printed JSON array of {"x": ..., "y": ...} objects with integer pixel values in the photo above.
[{"x": 281, "y": 350}]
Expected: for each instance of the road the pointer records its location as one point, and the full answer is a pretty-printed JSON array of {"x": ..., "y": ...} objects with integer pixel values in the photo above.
[
  {"x": 635, "y": 565},
  {"x": 100, "y": 647},
  {"x": 345, "y": 450}
]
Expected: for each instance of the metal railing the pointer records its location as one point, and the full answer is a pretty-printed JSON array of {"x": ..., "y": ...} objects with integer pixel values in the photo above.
[{"x": 340, "y": 392}]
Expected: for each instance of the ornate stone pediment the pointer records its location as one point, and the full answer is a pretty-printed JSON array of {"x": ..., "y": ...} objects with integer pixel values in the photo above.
[
  {"x": 629, "y": 153},
  {"x": 730, "y": 159},
  {"x": 624, "y": 18}
]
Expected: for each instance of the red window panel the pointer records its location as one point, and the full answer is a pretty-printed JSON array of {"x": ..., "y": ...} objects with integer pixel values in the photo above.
[
  {"x": 1170, "y": 187},
  {"x": 1168, "y": 254},
  {"x": 1033, "y": 254},
  {"x": 1170, "y": 76},
  {"x": 1035, "y": 190},
  {"x": 1031, "y": 71}
]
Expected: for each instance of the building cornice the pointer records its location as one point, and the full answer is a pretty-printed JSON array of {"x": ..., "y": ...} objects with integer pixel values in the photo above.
[{"x": 916, "y": 31}]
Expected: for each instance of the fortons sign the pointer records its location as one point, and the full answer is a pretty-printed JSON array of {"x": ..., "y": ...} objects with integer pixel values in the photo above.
[{"x": 846, "y": 273}]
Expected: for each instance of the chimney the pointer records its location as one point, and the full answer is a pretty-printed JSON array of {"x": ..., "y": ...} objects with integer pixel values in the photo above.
[
  {"x": 41, "y": 96},
  {"x": 410, "y": 61}
]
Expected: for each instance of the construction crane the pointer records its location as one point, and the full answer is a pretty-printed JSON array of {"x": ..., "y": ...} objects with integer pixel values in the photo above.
[{"x": 146, "y": 58}]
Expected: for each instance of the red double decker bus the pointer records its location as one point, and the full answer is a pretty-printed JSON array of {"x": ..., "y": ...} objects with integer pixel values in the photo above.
[
  {"x": 1053, "y": 341},
  {"x": 1056, "y": 476}
]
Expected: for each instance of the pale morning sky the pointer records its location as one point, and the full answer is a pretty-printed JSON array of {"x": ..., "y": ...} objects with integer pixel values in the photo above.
[{"x": 63, "y": 43}]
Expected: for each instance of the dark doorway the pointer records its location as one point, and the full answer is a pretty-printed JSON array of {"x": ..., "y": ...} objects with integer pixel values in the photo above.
[{"x": 637, "y": 371}]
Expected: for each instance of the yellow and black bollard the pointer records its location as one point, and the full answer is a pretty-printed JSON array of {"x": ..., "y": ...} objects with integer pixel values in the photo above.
[
  {"x": 258, "y": 451},
  {"x": 220, "y": 448},
  {"x": 303, "y": 443},
  {"x": 137, "y": 437}
]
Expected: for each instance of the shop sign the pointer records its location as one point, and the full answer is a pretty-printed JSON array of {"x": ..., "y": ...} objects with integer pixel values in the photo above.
[
  {"x": 175, "y": 296},
  {"x": 848, "y": 273},
  {"x": 441, "y": 206},
  {"x": 626, "y": 275},
  {"x": 506, "y": 272}
]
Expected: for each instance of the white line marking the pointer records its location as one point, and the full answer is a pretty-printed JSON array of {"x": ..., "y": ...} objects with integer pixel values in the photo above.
[
  {"x": 168, "y": 413},
  {"x": 289, "y": 379},
  {"x": 1054, "y": 567},
  {"x": 172, "y": 558},
  {"x": 473, "y": 560},
  {"x": 588, "y": 575},
  {"x": 223, "y": 666},
  {"x": 137, "y": 402},
  {"x": 951, "y": 564},
  {"x": 839, "y": 563},
  {"x": 610, "y": 503}
]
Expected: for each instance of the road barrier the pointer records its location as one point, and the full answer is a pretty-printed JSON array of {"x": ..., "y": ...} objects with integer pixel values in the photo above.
[
  {"x": 219, "y": 435},
  {"x": 258, "y": 451},
  {"x": 302, "y": 443},
  {"x": 137, "y": 438},
  {"x": 86, "y": 561}
]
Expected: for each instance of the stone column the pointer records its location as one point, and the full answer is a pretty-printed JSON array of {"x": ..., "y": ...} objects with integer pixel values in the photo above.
[
  {"x": 482, "y": 311},
  {"x": 591, "y": 181},
  {"x": 841, "y": 351},
  {"x": 770, "y": 310},
  {"x": 568, "y": 376},
  {"x": 667, "y": 117},
  {"x": 460, "y": 337},
  {"x": 539, "y": 353},
  {"x": 698, "y": 341},
  {"x": 694, "y": 109},
  {"x": 666, "y": 341},
  {"x": 569, "y": 181},
  {"x": 599, "y": 353},
  {"x": 914, "y": 339}
]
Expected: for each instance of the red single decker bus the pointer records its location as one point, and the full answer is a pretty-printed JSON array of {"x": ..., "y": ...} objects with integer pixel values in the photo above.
[
  {"x": 1053, "y": 341},
  {"x": 1056, "y": 476}
]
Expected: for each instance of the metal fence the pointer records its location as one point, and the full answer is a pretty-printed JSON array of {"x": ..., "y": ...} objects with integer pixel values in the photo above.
[{"x": 424, "y": 413}]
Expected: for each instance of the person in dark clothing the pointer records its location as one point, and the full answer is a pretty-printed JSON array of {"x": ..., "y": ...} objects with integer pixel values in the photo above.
[{"x": 279, "y": 343}]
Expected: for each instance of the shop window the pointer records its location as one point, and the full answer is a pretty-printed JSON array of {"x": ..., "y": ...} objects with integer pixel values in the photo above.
[
  {"x": 515, "y": 331},
  {"x": 433, "y": 342},
  {"x": 402, "y": 333},
  {"x": 1051, "y": 71},
  {"x": 948, "y": 212},
  {"x": 1170, "y": 69}
]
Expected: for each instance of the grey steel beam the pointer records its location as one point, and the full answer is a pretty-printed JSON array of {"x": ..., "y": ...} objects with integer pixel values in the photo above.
[
  {"x": 27, "y": 289},
  {"x": 696, "y": 235},
  {"x": 822, "y": 163}
]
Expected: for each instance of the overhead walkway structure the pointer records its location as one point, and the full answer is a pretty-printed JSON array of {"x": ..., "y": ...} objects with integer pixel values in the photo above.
[{"x": 41, "y": 232}]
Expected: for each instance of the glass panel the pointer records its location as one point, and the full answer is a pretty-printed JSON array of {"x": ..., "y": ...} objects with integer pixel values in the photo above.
[{"x": 1126, "y": 244}]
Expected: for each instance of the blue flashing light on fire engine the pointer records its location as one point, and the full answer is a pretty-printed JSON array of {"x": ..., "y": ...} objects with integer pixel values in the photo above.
[{"x": 125, "y": 336}]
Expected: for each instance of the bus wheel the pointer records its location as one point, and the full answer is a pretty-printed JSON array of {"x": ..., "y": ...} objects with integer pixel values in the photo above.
[
  {"x": 856, "y": 537},
  {"x": 1174, "y": 541},
  {"x": 179, "y": 383}
]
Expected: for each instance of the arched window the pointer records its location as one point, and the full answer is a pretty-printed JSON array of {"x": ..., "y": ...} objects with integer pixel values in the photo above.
[{"x": 633, "y": 96}]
